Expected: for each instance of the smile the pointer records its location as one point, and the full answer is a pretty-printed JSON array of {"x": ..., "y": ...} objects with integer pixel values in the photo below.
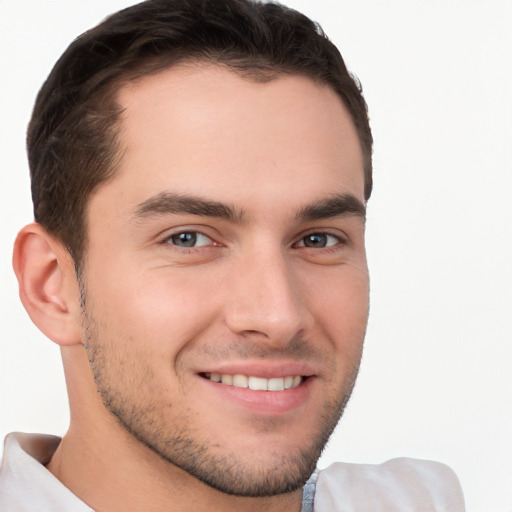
[{"x": 255, "y": 383}]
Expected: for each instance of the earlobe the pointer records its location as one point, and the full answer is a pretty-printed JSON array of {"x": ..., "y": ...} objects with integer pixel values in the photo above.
[{"x": 47, "y": 284}]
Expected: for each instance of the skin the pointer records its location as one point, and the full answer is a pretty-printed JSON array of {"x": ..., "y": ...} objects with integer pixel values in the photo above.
[{"x": 148, "y": 317}]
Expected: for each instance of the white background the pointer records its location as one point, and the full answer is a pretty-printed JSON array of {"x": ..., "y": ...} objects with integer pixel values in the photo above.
[{"x": 436, "y": 377}]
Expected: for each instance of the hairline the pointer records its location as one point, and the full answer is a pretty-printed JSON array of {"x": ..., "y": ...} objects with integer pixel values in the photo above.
[{"x": 109, "y": 93}]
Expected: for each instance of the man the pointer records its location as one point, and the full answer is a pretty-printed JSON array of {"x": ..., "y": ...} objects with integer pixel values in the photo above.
[{"x": 200, "y": 172}]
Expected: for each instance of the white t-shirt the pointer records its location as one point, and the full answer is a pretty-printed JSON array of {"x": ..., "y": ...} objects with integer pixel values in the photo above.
[{"x": 399, "y": 485}]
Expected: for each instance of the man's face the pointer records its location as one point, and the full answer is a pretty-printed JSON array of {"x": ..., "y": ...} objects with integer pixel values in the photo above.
[{"x": 230, "y": 246}]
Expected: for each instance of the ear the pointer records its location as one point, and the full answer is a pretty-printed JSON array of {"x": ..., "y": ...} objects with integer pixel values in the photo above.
[{"x": 48, "y": 285}]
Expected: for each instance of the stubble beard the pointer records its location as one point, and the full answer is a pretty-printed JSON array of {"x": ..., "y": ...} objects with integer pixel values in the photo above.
[{"x": 186, "y": 449}]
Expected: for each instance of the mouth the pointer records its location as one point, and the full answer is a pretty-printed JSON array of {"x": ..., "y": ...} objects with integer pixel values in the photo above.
[
  {"x": 267, "y": 390},
  {"x": 255, "y": 383}
]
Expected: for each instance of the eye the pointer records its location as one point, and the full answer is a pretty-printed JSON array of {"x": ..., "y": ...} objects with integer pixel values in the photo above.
[
  {"x": 189, "y": 239},
  {"x": 318, "y": 240}
]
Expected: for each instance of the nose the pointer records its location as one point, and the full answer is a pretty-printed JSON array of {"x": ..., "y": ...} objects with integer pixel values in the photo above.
[{"x": 266, "y": 299}]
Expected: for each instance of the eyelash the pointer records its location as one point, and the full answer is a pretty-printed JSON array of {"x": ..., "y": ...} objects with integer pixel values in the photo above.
[
  {"x": 338, "y": 240},
  {"x": 194, "y": 235},
  {"x": 205, "y": 244},
  {"x": 302, "y": 242}
]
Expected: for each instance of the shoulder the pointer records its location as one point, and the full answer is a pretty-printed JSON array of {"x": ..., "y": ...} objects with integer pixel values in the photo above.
[{"x": 397, "y": 485}]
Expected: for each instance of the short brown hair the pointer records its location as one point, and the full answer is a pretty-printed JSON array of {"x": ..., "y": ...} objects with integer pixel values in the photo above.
[{"x": 72, "y": 137}]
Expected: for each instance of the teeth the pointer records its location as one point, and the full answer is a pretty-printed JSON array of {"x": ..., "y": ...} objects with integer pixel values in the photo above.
[
  {"x": 276, "y": 384},
  {"x": 227, "y": 379},
  {"x": 256, "y": 383},
  {"x": 239, "y": 381}
]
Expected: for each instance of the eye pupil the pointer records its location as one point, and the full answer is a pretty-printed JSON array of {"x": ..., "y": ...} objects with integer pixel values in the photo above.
[
  {"x": 315, "y": 240},
  {"x": 184, "y": 239}
]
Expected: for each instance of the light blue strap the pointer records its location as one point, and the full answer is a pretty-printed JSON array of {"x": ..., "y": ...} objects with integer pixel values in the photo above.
[{"x": 308, "y": 493}]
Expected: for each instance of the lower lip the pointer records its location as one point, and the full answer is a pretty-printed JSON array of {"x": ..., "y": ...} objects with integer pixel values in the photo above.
[{"x": 264, "y": 402}]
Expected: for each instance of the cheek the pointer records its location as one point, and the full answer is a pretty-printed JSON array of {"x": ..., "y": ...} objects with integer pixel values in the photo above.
[
  {"x": 160, "y": 310},
  {"x": 340, "y": 305}
]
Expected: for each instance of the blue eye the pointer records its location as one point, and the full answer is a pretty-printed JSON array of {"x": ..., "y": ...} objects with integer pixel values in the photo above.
[
  {"x": 189, "y": 239},
  {"x": 318, "y": 240}
]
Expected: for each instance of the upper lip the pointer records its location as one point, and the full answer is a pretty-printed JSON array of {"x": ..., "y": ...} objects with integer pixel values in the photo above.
[{"x": 262, "y": 369}]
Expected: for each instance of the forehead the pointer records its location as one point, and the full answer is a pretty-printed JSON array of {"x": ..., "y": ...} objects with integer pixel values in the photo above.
[{"x": 201, "y": 124}]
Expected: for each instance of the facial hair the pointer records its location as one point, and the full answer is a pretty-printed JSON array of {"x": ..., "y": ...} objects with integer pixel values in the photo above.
[{"x": 127, "y": 385}]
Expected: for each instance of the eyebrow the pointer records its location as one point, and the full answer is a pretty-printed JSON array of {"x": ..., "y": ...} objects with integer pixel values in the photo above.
[
  {"x": 166, "y": 203},
  {"x": 169, "y": 203},
  {"x": 339, "y": 205}
]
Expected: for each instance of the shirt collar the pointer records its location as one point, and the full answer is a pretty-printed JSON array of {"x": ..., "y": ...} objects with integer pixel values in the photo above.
[{"x": 26, "y": 485}]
